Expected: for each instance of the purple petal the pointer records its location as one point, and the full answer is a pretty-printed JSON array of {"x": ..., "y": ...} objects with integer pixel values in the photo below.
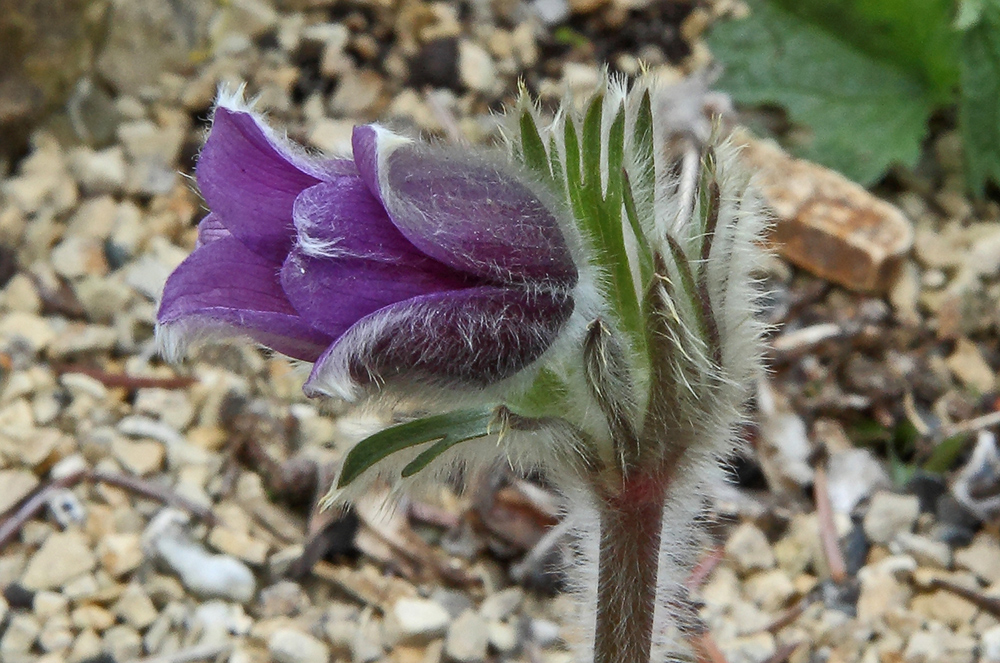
[
  {"x": 250, "y": 180},
  {"x": 225, "y": 286},
  {"x": 351, "y": 260},
  {"x": 473, "y": 338},
  {"x": 210, "y": 229},
  {"x": 475, "y": 215}
]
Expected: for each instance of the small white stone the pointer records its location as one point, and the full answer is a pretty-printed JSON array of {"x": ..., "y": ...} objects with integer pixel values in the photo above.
[
  {"x": 989, "y": 643},
  {"x": 890, "y": 514},
  {"x": 290, "y": 646},
  {"x": 749, "y": 549},
  {"x": 476, "y": 67},
  {"x": 503, "y": 637},
  {"x": 62, "y": 557},
  {"x": 414, "y": 621},
  {"x": 19, "y": 637},
  {"x": 123, "y": 642},
  {"x": 200, "y": 571},
  {"x": 15, "y": 486},
  {"x": 925, "y": 550},
  {"x": 501, "y": 605},
  {"x": 98, "y": 172},
  {"x": 135, "y": 608},
  {"x": 468, "y": 637}
]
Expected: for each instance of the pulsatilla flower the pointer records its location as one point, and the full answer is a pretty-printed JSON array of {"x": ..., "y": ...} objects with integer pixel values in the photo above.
[
  {"x": 406, "y": 264},
  {"x": 583, "y": 304}
]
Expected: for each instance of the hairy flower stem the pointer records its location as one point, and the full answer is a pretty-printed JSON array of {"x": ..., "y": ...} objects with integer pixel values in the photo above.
[{"x": 631, "y": 523}]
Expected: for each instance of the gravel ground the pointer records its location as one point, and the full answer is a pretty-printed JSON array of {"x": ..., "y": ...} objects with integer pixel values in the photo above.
[{"x": 162, "y": 513}]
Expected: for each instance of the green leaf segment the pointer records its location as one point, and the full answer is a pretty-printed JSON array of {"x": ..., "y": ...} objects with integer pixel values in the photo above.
[{"x": 444, "y": 430}]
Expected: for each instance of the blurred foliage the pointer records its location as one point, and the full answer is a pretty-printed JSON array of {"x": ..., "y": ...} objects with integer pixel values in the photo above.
[
  {"x": 979, "y": 106},
  {"x": 863, "y": 76}
]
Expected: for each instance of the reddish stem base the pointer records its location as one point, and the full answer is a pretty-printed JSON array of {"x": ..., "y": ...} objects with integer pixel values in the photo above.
[{"x": 631, "y": 523}]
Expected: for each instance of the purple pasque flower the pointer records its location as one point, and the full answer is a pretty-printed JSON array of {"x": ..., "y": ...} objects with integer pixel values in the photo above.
[{"x": 406, "y": 263}]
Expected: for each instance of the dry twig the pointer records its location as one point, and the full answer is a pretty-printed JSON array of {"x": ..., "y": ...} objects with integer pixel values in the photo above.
[
  {"x": 29, "y": 508},
  {"x": 827, "y": 528}
]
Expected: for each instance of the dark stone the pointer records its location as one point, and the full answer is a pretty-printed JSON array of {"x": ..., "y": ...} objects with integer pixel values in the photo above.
[
  {"x": 928, "y": 488},
  {"x": 436, "y": 65},
  {"x": 956, "y": 525},
  {"x": 856, "y": 547},
  {"x": 18, "y": 596}
]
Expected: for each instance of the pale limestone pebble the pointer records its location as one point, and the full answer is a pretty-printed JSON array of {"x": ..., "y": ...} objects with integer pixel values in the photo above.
[
  {"x": 409, "y": 105},
  {"x": 93, "y": 220},
  {"x": 252, "y": 18},
  {"x": 982, "y": 557},
  {"x": 970, "y": 368},
  {"x": 890, "y": 514},
  {"x": 945, "y": 607},
  {"x": 331, "y": 136},
  {"x": 852, "y": 476},
  {"x": 123, "y": 642},
  {"x": 47, "y": 604},
  {"x": 501, "y": 605},
  {"x": 218, "y": 621},
  {"x": 467, "y": 639},
  {"x": 163, "y": 589},
  {"x": 21, "y": 295},
  {"x": 36, "y": 332},
  {"x": 83, "y": 588},
  {"x": 771, "y": 590},
  {"x": 721, "y": 590},
  {"x": 103, "y": 299},
  {"x": 15, "y": 485},
  {"x": 938, "y": 644},
  {"x": 749, "y": 549},
  {"x": 77, "y": 256},
  {"x": 86, "y": 645},
  {"x": 282, "y": 599},
  {"x": 476, "y": 68},
  {"x": 358, "y": 94},
  {"x": 414, "y": 621},
  {"x": 19, "y": 637},
  {"x": 56, "y": 635},
  {"x": 881, "y": 594},
  {"x": 128, "y": 234},
  {"x": 546, "y": 633},
  {"x": 62, "y": 557},
  {"x": 332, "y": 40},
  {"x": 93, "y": 617},
  {"x": 139, "y": 457},
  {"x": 925, "y": 550},
  {"x": 120, "y": 553},
  {"x": 155, "y": 637},
  {"x": 292, "y": 646},
  {"x": 368, "y": 645},
  {"x": 16, "y": 424},
  {"x": 503, "y": 637},
  {"x": 78, "y": 338},
  {"x": 202, "y": 572},
  {"x": 98, "y": 171},
  {"x": 41, "y": 446},
  {"x": 135, "y": 608},
  {"x": 239, "y": 544},
  {"x": 43, "y": 183},
  {"x": 78, "y": 384},
  {"x": 754, "y": 648},
  {"x": 989, "y": 645},
  {"x": 152, "y": 153},
  {"x": 801, "y": 547}
]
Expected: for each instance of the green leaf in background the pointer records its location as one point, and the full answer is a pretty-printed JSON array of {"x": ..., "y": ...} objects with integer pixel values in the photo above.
[
  {"x": 863, "y": 113},
  {"x": 445, "y": 429},
  {"x": 979, "y": 103},
  {"x": 917, "y": 36}
]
